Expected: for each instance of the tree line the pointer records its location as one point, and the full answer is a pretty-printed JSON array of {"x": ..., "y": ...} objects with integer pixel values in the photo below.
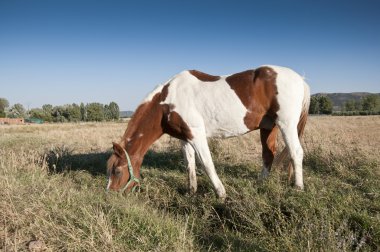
[
  {"x": 65, "y": 113},
  {"x": 320, "y": 105},
  {"x": 368, "y": 105}
]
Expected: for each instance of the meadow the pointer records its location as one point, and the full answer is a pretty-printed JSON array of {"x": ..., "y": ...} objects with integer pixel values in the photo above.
[{"x": 53, "y": 197}]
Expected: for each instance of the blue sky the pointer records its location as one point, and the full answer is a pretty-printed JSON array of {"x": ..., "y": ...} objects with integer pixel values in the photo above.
[{"x": 61, "y": 51}]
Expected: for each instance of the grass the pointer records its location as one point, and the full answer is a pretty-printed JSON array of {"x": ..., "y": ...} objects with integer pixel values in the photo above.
[{"x": 52, "y": 180}]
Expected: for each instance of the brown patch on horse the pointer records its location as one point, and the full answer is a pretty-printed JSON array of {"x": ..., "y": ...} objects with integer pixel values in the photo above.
[
  {"x": 242, "y": 84},
  {"x": 143, "y": 129},
  {"x": 174, "y": 125},
  {"x": 203, "y": 76},
  {"x": 164, "y": 92},
  {"x": 257, "y": 91}
]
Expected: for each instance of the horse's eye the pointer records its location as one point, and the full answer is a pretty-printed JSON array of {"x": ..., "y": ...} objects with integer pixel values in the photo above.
[{"x": 117, "y": 172}]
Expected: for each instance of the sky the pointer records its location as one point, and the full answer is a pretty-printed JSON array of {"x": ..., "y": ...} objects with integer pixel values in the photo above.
[{"x": 62, "y": 52}]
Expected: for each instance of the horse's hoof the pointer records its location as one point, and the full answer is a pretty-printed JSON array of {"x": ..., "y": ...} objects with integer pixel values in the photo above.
[
  {"x": 192, "y": 190},
  {"x": 221, "y": 195},
  {"x": 299, "y": 188},
  {"x": 263, "y": 175},
  {"x": 222, "y": 200}
]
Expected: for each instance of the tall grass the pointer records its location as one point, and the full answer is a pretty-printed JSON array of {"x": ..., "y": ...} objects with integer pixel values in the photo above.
[
  {"x": 72, "y": 211},
  {"x": 53, "y": 179}
]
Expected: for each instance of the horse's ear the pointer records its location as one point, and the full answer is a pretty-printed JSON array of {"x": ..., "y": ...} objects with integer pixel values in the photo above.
[{"x": 118, "y": 150}]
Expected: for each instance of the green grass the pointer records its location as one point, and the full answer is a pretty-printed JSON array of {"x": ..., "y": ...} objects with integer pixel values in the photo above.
[
  {"x": 56, "y": 195},
  {"x": 338, "y": 211}
]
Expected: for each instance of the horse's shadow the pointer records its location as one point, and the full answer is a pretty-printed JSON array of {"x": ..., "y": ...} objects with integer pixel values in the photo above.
[
  {"x": 63, "y": 159},
  {"x": 168, "y": 161},
  {"x": 174, "y": 160}
]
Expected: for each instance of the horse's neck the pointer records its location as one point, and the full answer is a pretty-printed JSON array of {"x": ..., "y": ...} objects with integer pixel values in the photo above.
[{"x": 141, "y": 133}]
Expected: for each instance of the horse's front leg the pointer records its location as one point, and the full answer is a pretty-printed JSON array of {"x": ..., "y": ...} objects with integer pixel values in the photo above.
[
  {"x": 199, "y": 143},
  {"x": 189, "y": 155}
]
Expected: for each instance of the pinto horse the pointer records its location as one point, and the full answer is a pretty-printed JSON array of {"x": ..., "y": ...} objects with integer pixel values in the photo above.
[{"x": 193, "y": 106}]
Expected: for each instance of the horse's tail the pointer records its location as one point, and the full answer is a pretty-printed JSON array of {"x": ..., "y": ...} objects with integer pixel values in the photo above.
[
  {"x": 284, "y": 154},
  {"x": 305, "y": 110}
]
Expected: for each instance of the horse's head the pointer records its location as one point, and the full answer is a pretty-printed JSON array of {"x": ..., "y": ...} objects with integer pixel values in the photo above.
[{"x": 120, "y": 171}]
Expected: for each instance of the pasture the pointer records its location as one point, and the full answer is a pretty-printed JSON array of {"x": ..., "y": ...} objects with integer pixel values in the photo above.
[{"x": 53, "y": 198}]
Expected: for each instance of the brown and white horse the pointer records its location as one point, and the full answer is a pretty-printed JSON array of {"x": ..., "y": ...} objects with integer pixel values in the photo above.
[{"x": 193, "y": 106}]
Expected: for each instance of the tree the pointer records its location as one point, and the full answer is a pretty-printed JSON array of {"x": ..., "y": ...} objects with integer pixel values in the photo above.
[
  {"x": 83, "y": 113},
  {"x": 325, "y": 105},
  {"x": 37, "y": 113},
  {"x": 314, "y": 105},
  {"x": 17, "y": 111},
  {"x": 107, "y": 113},
  {"x": 4, "y": 104},
  {"x": 58, "y": 114},
  {"x": 73, "y": 112},
  {"x": 349, "y": 105},
  {"x": 112, "y": 111},
  {"x": 358, "y": 105},
  {"x": 95, "y": 112},
  {"x": 370, "y": 103},
  {"x": 47, "y": 110}
]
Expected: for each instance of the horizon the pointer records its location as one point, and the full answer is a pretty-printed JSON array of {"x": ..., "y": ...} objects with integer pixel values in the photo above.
[{"x": 64, "y": 52}]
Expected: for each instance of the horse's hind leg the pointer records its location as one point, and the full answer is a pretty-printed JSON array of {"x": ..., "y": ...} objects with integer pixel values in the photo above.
[
  {"x": 189, "y": 155},
  {"x": 268, "y": 142},
  {"x": 290, "y": 135}
]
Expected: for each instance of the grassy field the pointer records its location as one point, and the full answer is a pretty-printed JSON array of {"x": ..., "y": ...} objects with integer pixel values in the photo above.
[{"x": 53, "y": 198}]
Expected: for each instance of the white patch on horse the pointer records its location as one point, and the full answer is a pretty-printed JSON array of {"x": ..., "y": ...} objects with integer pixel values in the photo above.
[{"x": 212, "y": 105}]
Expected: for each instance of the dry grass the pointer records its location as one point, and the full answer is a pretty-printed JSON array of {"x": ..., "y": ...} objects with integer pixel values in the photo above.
[
  {"x": 344, "y": 135},
  {"x": 52, "y": 191}
]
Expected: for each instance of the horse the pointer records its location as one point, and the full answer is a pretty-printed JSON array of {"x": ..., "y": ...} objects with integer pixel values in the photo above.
[{"x": 193, "y": 106}]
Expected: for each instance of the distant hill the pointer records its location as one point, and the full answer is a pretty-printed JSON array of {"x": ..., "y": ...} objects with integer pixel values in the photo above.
[
  {"x": 339, "y": 99},
  {"x": 126, "y": 114}
]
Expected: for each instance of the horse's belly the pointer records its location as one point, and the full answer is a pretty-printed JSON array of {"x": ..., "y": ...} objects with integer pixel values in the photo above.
[{"x": 225, "y": 124}]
